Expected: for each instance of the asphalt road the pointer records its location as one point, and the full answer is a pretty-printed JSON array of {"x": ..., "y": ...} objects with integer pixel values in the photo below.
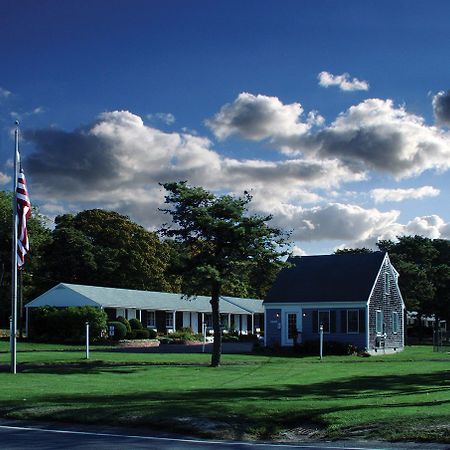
[{"x": 21, "y": 435}]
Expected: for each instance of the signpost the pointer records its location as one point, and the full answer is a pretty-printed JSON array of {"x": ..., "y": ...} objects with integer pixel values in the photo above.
[
  {"x": 321, "y": 341},
  {"x": 87, "y": 340}
]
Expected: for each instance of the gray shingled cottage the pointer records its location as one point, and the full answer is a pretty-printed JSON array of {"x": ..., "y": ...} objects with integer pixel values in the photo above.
[{"x": 354, "y": 296}]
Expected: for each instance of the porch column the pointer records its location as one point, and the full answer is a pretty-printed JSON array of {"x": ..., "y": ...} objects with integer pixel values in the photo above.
[
  {"x": 229, "y": 321},
  {"x": 140, "y": 315},
  {"x": 253, "y": 324},
  {"x": 174, "y": 318}
]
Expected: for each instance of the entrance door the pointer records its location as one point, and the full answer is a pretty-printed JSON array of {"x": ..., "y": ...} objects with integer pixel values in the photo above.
[{"x": 292, "y": 328}]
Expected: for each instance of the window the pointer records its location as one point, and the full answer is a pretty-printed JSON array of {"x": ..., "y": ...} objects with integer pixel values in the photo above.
[
  {"x": 151, "y": 319},
  {"x": 387, "y": 284},
  {"x": 353, "y": 321},
  {"x": 324, "y": 319},
  {"x": 379, "y": 321},
  {"x": 169, "y": 320},
  {"x": 395, "y": 323}
]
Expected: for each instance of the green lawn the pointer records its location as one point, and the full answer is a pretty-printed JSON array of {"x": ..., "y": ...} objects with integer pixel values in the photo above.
[{"x": 399, "y": 397}]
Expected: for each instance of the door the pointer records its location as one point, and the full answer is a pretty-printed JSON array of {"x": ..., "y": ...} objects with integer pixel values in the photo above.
[{"x": 292, "y": 328}]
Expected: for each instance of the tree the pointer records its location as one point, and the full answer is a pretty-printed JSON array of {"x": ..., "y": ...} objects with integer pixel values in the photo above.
[
  {"x": 106, "y": 248},
  {"x": 39, "y": 236},
  {"x": 223, "y": 244}
]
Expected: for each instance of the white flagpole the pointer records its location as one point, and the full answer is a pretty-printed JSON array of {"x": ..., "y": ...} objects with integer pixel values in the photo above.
[{"x": 13, "y": 337}]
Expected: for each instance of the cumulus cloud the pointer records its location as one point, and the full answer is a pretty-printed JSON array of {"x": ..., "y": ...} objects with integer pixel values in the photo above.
[
  {"x": 376, "y": 135},
  {"x": 334, "y": 221},
  {"x": 167, "y": 118},
  {"x": 118, "y": 162},
  {"x": 441, "y": 107},
  {"x": 344, "y": 82},
  {"x": 4, "y": 179},
  {"x": 353, "y": 225},
  {"x": 372, "y": 135},
  {"x": 258, "y": 117},
  {"x": 398, "y": 195}
]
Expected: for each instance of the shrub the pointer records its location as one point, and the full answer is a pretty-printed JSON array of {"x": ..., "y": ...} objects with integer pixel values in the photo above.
[
  {"x": 125, "y": 322},
  {"x": 186, "y": 334},
  {"x": 152, "y": 333},
  {"x": 67, "y": 324},
  {"x": 329, "y": 348},
  {"x": 135, "y": 324},
  {"x": 142, "y": 334},
  {"x": 120, "y": 330}
]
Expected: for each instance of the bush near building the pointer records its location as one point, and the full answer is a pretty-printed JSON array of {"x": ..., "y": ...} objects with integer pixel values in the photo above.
[{"x": 67, "y": 324}]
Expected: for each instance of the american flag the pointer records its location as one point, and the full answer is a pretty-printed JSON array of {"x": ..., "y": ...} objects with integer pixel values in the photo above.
[{"x": 23, "y": 213}]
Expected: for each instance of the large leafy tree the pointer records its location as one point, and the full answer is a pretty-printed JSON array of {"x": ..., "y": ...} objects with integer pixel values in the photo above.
[
  {"x": 223, "y": 245},
  {"x": 106, "y": 248},
  {"x": 39, "y": 236}
]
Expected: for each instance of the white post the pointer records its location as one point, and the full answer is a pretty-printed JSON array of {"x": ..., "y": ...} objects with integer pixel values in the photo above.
[
  {"x": 204, "y": 336},
  {"x": 26, "y": 322},
  {"x": 10, "y": 332},
  {"x": 12, "y": 336},
  {"x": 87, "y": 340},
  {"x": 253, "y": 323},
  {"x": 321, "y": 341},
  {"x": 174, "y": 317}
]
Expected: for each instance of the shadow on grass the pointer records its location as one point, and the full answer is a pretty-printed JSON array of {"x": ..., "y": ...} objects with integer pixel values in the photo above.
[{"x": 241, "y": 408}]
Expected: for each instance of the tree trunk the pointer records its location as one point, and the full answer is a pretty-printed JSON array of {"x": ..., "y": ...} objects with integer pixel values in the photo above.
[{"x": 217, "y": 345}]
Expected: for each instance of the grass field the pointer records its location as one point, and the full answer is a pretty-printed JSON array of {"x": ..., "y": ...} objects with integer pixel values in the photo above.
[{"x": 398, "y": 397}]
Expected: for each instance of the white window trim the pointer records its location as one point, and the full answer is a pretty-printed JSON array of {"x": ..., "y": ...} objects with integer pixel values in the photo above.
[
  {"x": 357, "y": 316},
  {"x": 379, "y": 333},
  {"x": 397, "y": 328},
  {"x": 169, "y": 320}
]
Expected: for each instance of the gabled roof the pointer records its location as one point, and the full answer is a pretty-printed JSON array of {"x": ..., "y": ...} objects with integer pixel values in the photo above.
[
  {"x": 347, "y": 277},
  {"x": 65, "y": 294}
]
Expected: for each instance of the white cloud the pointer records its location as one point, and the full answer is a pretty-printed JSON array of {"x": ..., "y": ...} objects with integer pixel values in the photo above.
[
  {"x": 167, "y": 118},
  {"x": 327, "y": 79},
  {"x": 372, "y": 135},
  {"x": 128, "y": 154},
  {"x": 4, "y": 179},
  {"x": 118, "y": 161},
  {"x": 398, "y": 195},
  {"x": 298, "y": 251},
  {"x": 431, "y": 226},
  {"x": 441, "y": 107},
  {"x": 377, "y": 135},
  {"x": 258, "y": 117},
  {"x": 33, "y": 112}
]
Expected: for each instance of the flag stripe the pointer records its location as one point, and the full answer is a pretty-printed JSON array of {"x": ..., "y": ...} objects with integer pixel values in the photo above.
[{"x": 23, "y": 214}]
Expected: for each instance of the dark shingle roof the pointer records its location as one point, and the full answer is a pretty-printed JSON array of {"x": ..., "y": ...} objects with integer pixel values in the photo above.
[{"x": 327, "y": 278}]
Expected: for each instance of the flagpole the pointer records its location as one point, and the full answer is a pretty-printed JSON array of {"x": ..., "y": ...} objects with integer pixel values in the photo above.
[{"x": 13, "y": 337}]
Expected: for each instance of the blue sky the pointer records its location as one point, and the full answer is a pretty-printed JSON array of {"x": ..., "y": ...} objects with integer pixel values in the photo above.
[{"x": 114, "y": 97}]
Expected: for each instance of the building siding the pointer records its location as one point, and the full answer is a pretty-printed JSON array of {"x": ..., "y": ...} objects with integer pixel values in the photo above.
[
  {"x": 308, "y": 334},
  {"x": 388, "y": 303}
]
